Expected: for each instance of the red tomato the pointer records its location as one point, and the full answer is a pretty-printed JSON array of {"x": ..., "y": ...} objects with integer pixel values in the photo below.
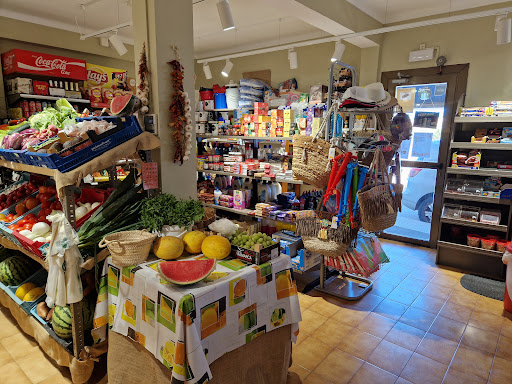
[
  {"x": 41, "y": 213},
  {"x": 43, "y": 189},
  {"x": 22, "y": 222},
  {"x": 3, "y": 198},
  {"x": 12, "y": 226},
  {"x": 59, "y": 206},
  {"x": 10, "y": 217},
  {"x": 30, "y": 216},
  {"x": 44, "y": 197},
  {"x": 52, "y": 190},
  {"x": 31, "y": 203},
  {"x": 45, "y": 205},
  {"x": 16, "y": 216},
  {"x": 28, "y": 226},
  {"x": 53, "y": 206},
  {"x": 32, "y": 220},
  {"x": 47, "y": 211}
]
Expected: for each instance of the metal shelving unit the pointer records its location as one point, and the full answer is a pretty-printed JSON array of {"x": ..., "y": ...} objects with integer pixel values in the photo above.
[
  {"x": 475, "y": 224},
  {"x": 278, "y": 179},
  {"x": 480, "y": 172},
  {"x": 13, "y": 98},
  {"x": 204, "y": 136},
  {"x": 483, "y": 119},
  {"x": 245, "y": 212},
  {"x": 481, "y": 199},
  {"x": 488, "y": 146}
]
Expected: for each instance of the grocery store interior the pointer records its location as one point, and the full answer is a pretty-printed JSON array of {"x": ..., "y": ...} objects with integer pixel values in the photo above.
[{"x": 264, "y": 192}]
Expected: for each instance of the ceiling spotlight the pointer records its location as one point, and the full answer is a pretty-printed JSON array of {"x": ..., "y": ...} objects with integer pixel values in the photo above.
[
  {"x": 227, "y": 68},
  {"x": 503, "y": 27},
  {"x": 292, "y": 57},
  {"x": 226, "y": 18},
  {"x": 207, "y": 71},
  {"x": 117, "y": 44},
  {"x": 338, "y": 51}
]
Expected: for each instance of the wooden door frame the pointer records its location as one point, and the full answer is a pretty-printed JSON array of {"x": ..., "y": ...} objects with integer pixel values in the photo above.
[{"x": 452, "y": 74}]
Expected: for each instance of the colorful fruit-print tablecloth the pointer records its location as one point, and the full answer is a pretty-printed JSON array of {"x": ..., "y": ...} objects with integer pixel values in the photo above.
[{"x": 187, "y": 328}]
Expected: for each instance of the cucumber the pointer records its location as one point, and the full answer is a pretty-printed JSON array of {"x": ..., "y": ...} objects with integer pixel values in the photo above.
[{"x": 19, "y": 127}]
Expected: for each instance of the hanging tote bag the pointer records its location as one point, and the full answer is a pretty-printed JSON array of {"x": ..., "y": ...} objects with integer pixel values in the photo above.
[{"x": 379, "y": 199}]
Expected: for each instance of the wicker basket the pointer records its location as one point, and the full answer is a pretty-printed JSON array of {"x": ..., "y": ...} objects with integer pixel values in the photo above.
[
  {"x": 128, "y": 247},
  {"x": 311, "y": 160}
]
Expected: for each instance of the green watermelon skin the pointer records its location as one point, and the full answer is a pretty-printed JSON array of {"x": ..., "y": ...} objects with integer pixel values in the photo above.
[
  {"x": 15, "y": 269},
  {"x": 61, "y": 318},
  {"x": 4, "y": 254},
  {"x": 124, "y": 105}
]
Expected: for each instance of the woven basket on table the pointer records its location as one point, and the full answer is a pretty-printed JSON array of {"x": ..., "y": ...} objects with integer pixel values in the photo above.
[
  {"x": 379, "y": 200},
  {"x": 128, "y": 247}
]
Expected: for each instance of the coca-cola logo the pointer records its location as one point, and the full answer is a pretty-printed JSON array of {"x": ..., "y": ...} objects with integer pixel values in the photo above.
[
  {"x": 97, "y": 77},
  {"x": 8, "y": 61},
  {"x": 52, "y": 64}
]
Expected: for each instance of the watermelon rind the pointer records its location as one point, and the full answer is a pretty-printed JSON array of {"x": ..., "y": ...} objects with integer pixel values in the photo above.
[
  {"x": 15, "y": 269},
  {"x": 124, "y": 105},
  {"x": 191, "y": 280}
]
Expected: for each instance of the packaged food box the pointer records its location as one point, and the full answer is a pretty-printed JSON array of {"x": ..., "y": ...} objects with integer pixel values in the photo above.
[
  {"x": 305, "y": 260},
  {"x": 260, "y": 256},
  {"x": 19, "y": 85},
  {"x": 40, "y": 87}
]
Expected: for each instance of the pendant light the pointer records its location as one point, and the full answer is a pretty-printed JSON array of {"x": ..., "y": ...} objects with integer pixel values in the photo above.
[
  {"x": 503, "y": 30},
  {"x": 227, "y": 68},
  {"x": 117, "y": 44},
  {"x": 339, "y": 49},
  {"x": 292, "y": 57},
  {"x": 207, "y": 71},
  {"x": 226, "y": 18}
]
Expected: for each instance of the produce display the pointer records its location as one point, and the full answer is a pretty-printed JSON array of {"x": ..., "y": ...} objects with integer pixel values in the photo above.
[
  {"x": 168, "y": 247},
  {"x": 244, "y": 240},
  {"x": 15, "y": 269},
  {"x": 216, "y": 247},
  {"x": 185, "y": 272},
  {"x": 61, "y": 319},
  {"x": 193, "y": 241},
  {"x": 15, "y": 193}
]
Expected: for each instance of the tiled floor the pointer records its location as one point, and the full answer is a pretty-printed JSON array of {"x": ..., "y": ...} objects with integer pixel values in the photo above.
[{"x": 418, "y": 325}]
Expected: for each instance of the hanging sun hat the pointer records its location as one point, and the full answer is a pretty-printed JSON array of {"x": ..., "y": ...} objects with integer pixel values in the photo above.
[
  {"x": 357, "y": 93},
  {"x": 377, "y": 94}
]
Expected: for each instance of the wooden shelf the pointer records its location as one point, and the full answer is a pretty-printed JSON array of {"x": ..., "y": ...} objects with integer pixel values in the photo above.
[
  {"x": 203, "y": 136},
  {"x": 474, "y": 224},
  {"x": 39, "y": 97},
  {"x": 278, "y": 179},
  {"x": 490, "y": 146},
  {"x": 484, "y": 119},
  {"x": 467, "y": 248},
  {"x": 480, "y": 172},
  {"x": 245, "y": 212},
  {"x": 482, "y": 199}
]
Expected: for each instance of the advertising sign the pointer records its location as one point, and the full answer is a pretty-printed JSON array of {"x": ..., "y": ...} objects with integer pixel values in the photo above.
[{"x": 106, "y": 77}]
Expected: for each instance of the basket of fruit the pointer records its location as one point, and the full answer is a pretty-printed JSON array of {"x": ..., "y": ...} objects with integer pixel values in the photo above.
[{"x": 257, "y": 248}]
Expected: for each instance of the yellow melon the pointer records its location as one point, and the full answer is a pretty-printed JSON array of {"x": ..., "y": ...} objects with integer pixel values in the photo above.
[
  {"x": 193, "y": 241},
  {"x": 33, "y": 294},
  {"x": 216, "y": 247},
  {"x": 24, "y": 289},
  {"x": 168, "y": 247}
]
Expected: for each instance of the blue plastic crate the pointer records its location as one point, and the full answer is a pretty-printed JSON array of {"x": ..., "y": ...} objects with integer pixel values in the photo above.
[
  {"x": 48, "y": 326},
  {"x": 64, "y": 164},
  {"x": 16, "y": 156},
  {"x": 38, "y": 278}
]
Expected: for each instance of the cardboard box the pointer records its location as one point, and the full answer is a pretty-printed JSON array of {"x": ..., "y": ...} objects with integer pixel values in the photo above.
[
  {"x": 287, "y": 124},
  {"x": 302, "y": 123},
  {"x": 288, "y": 114},
  {"x": 277, "y": 113},
  {"x": 40, "y": 87},
  {"x": 290, "y": 243},
  {"x": 264, "y": 119},
  {"x": 19, "y": 85},
  {"x": 305, "y": 260},
  {"x": 280, "y": 122},
  {"x": 238, "y": 199},
  {"x": 255, "y": 257},
  {"x": 261, "y": 106}
]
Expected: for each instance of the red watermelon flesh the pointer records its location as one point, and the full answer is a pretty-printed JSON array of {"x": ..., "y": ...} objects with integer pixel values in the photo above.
[
  {"x": 184, "y": 272},
  {"x": 124, "y": 104}
]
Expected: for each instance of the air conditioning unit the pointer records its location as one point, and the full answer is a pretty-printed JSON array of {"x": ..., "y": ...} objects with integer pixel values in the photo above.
[{"x": 421, "y": 55}]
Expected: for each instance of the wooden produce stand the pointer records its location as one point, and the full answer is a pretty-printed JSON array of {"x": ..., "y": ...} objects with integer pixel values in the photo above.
[{"x": 80, "y": 362}]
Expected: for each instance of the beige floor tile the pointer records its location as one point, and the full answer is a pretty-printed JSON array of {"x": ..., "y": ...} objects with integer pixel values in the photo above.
[
  {"x": 437, "y": 348},
  {"x": 311, "y": 321},
  {"x": 401, "y": 380},
  {"x": 486, "y": 321},
  {"x": 456, "y": 312},
  {"x": 506, "y": 329},
  {"x": 445, "y": 280},
  {"x": 450, "y": 272},
  {"x": 472, "y": 361},
  {"x": 376, "y": 325},
  {"x": 457, "y": 377},
  {"x": 402, "y": 296},
  {"x": 301, "y": 337},
  {"x": 391, "y": 278},
  {"x": 501, "y": 372},
  {"x": 332, "y": 332},
  {"x": 314, "y": 378},
  {"x": 418, "y": 319},
  {"x": 491, "y": 306},
  {"x": 12, "y": 374},
  {"x": 359, "y": 344},
  {"x": 422, "y": 274},
  {"x": 338, "y": 367},
  {"x": 391, "y": 309},
  {"x": 350, "y": 316},
  {"x": 37, "y": 366},
  {"x": 19, "y": 345},
  {"x": 5, "y": 357},
  {"x": 437, "y": 291},
  {"x": 367, "y": 303},
  {"x": 382, "y": 289},
  {"x": 464, "y": 298},
  {"x": 401, "y": 268},
  {"x": 405, "y": 336},
  {"x": 310, "y": 353},
  {"x": 299, "y": 370},
  {"x": 412, "y": 284},
  {"x": 480, "y": 339},
  {"x": 325, "y": 307},
  {"x": 59, "y": 378},
  {"x": 421, "y": 369},
  {"x": 307, "y": 301},
  {"x": 371, "y": 374},
  {"x": 7, "y": 326},
  {"x": 390, "y": 357},
  {"x": 448, "y": 328},
  {"x": 505, "y": 348},
  {"x": 428, "y": 304}
]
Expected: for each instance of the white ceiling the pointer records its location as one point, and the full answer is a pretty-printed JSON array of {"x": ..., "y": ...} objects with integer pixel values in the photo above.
[
  {"x": 258, "y": 23},
  {"x": 393, "y": 11}
]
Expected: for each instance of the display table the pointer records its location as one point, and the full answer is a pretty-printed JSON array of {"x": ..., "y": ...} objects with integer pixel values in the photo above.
[{"x": 188, "y": 328}]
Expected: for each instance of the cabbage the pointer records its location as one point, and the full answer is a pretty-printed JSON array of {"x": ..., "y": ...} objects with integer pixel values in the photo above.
[{"x": 63, "y": 115}]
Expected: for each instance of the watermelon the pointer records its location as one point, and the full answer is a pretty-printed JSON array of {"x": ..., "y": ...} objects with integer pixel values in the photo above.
[
  {"x": 15, "y": 269},
  {"x": 125, "y": 104},
  {"x": 184, "y": 272},
  {"x": 3, "y": 253},
  {"x": 61, "y": 319}
]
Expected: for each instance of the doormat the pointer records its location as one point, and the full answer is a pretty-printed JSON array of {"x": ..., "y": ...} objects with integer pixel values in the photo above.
[{"x": 483, "y": 286}]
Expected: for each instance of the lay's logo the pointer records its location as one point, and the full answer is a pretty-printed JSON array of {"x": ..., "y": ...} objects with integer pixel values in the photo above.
[{"x": 96, "y": 76}]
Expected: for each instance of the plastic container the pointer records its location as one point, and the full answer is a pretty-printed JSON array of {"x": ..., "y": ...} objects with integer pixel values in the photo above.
[
  {"x": 474, "y": 241},
  {"x": 488, "y": 216},
  {"x": 452, "y": 211},
  {"x": 488, "y": 243},
  {"x": 501, "y": 245},
  {"x": 470, "y": 213},
  {"x": 206, "y": 94},
  {"x": 90, "y": 195},
  {"x": 220, "y": 101}
]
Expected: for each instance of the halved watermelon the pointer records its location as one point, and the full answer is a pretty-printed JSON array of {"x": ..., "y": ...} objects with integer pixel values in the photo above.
[
  {"x": 184, "y": 272},
  {"x": 125, "y": 104}
]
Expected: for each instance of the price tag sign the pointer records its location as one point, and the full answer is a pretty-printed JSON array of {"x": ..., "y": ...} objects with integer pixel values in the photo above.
[{"x": 150, "y": 176}]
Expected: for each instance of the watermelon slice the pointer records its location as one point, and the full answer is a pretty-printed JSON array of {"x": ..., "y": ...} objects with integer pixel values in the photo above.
[
  {"x": 185, "y": 272},
  {"x": 125, "y": 104}
]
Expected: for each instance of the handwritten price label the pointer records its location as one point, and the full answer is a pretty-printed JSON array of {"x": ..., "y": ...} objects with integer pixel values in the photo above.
[{"x": 150, "y": 176}]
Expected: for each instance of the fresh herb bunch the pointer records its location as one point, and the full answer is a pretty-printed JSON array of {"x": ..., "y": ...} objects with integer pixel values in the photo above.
[{"x": 165, "y": 209}]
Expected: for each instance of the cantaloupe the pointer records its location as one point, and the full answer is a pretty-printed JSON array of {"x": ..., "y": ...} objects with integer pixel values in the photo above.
[
  {"x": 168, "y": 247},
  {"x": 216, "y": 247}
]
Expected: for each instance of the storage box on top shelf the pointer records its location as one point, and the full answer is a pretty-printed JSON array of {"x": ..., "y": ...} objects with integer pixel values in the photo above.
[{"x": 19, "y": 85}]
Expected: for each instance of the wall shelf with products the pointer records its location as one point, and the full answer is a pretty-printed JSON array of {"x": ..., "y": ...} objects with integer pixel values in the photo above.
[{"x": 16, "y": 97}]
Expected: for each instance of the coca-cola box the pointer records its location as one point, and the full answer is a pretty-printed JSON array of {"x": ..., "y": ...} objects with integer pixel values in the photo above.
[{"x": 21, "y": 61}]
